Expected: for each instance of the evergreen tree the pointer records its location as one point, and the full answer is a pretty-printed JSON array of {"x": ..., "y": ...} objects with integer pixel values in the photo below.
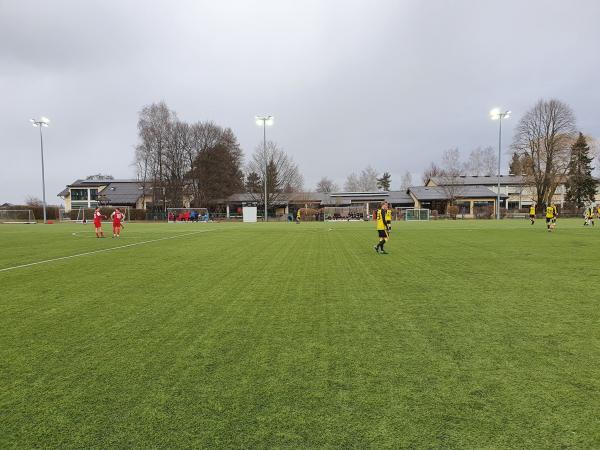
[
  {"x": 385, "y": 181},
  {"x": 253, "y": 182},
  {"x": 581, "y": 187},
  {"x": 516, "y": 165}
]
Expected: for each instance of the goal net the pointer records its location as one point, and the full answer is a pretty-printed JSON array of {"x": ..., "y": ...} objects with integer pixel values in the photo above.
[
  {"x": 175, "y": 215},
  {"x": 16, "y": 216},
  {"x": 86, "y": 215},
  {"x": 413, "y": 214}
]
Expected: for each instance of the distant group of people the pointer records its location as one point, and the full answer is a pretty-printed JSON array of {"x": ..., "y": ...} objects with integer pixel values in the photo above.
[
  {"x": 589, "y": 215},
  {"x": 186, "y": 216},
  {"x": 117, "y": 218},
  {"x": 551, "y": 215}
]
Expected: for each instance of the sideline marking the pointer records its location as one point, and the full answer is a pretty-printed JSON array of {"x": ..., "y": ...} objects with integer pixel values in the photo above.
[{"x": 102, "y": 250}]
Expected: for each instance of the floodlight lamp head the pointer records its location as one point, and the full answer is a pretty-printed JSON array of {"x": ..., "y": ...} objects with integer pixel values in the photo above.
[
  {"x": 264, "y": 120},
  {"x": 495, "y": 114},
  {"x": 41, "y": 122}
]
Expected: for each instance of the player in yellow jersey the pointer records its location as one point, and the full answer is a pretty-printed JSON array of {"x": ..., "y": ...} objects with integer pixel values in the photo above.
[
  {"x": 532, "y": 213},
  {"x": 598, "y": 212},
  {"x": 555, "y": 213},
  {"x": 388, "y": 218},
  {"x": 589, "y": 216},
  {"x": 550, "y": 218},
  {"x": 382, "y": 228}
]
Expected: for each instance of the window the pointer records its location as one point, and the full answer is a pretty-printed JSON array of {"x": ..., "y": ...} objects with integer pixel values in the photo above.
[
  {"x": 464, "y": 207},
  {"x": 79, "y": 194},
  {"x": 93, "y": 194}
]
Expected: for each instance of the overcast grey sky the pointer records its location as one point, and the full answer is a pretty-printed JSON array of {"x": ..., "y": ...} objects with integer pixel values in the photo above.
[{"x": 350, "y": 83}]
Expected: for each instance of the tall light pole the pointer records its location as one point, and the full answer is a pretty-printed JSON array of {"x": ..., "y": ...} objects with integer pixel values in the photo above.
[
  {"x": 498, "y": 114},
  {"x": 264, "y": 121},
  {"x": 42, "y": 122}
]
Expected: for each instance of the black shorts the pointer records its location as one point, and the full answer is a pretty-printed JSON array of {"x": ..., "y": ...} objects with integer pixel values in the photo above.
[
  {"x": 532, "y": 216},
  {"x": 549, "y": 219},
  {"x": 382, "y": 233}
]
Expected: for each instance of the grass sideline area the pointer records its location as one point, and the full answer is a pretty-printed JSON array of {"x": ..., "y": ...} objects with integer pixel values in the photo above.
[{"x": 468, "y": 334}]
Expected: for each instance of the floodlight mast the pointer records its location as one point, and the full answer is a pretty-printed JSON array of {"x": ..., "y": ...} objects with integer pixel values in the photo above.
[
  {"x": 264, "y": 121},
  {"x": 498, "y": 114},
  {"x": 40, "y": 123}
]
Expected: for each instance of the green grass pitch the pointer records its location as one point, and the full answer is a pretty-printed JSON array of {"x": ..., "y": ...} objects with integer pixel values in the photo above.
[{"x": 468, "y": 334}]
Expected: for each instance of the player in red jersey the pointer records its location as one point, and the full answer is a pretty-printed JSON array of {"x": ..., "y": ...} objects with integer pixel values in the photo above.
[
  {"x": 117, "y": 216},
  {"x": 98, "y": 223}
]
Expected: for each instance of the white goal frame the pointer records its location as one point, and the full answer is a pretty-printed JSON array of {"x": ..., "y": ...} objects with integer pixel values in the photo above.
[
  {"x": 22, "y": 216},
  {"x": 416, "y": 214},
  {"x": 88, "y": 214},
  {"x": 176, "y": 213}
]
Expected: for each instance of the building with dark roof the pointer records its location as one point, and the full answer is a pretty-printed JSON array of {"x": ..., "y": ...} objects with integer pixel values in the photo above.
[
  {"x": 515, "y": 190},
  {"x": 92, "y": 193},
  {"x": 468, "y": 198},
  {"x": 287, "y": 203}
]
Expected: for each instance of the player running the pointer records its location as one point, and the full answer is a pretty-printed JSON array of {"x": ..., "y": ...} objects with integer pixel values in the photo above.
[
  {"x": 555, "y": 213},
  {"x": 98, "y": 216},
  {"x": 117, "y": 216},
  {"x": 550, "y": 217},
  {"x": 589, "y": 216},
  {"x": 382, "y": 228},
  {"x": 532, "y": 213}
]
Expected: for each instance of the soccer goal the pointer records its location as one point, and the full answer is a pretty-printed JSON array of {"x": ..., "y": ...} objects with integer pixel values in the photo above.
[
  {"x": 419, "y": 214},
  {"x": 183, "y": 215},
  {"x": 86, "y": 215},
  {"x": 16, "y": 216}
]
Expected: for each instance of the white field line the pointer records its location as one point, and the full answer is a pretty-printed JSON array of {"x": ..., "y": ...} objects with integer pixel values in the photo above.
[{"x": 21, "y": 266}]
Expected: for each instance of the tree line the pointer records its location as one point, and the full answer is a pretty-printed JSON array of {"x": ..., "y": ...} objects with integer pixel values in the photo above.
[
  {"x": 203, "y": 162},
  {"x": 547, "y": 151}
]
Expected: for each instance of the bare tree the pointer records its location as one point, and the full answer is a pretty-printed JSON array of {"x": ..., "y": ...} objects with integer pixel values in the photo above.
[
  {"x": 543, "y": 138},
  {"x": 481, "y": 161},
  {"x": 452, "y": 169},
  {"x": 326, "y": 185},
  {"x": 352, "y": 183},
  {"x": 474, "y": 164},
  {"x": 154, "y": 129},
  {"x": 406, "y": 181},
  {"x": 432, "y": 171},
  {"x": 489, "y": 161},
  {"x": 32, "y": 201},
  {"x": 281, "y": 172},
  {"x": 368, "y": 179}
]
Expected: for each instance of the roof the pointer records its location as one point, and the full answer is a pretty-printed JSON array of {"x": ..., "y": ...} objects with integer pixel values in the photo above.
[
  {"x": 400, "y": 197},
  {"x": 334, "y": 198},
  {"x": 91, "y": 183},
  {"x": 440, "y": 193},
  {"x": 122, "y": 193},
  {"x": 481, "y": 180}
]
